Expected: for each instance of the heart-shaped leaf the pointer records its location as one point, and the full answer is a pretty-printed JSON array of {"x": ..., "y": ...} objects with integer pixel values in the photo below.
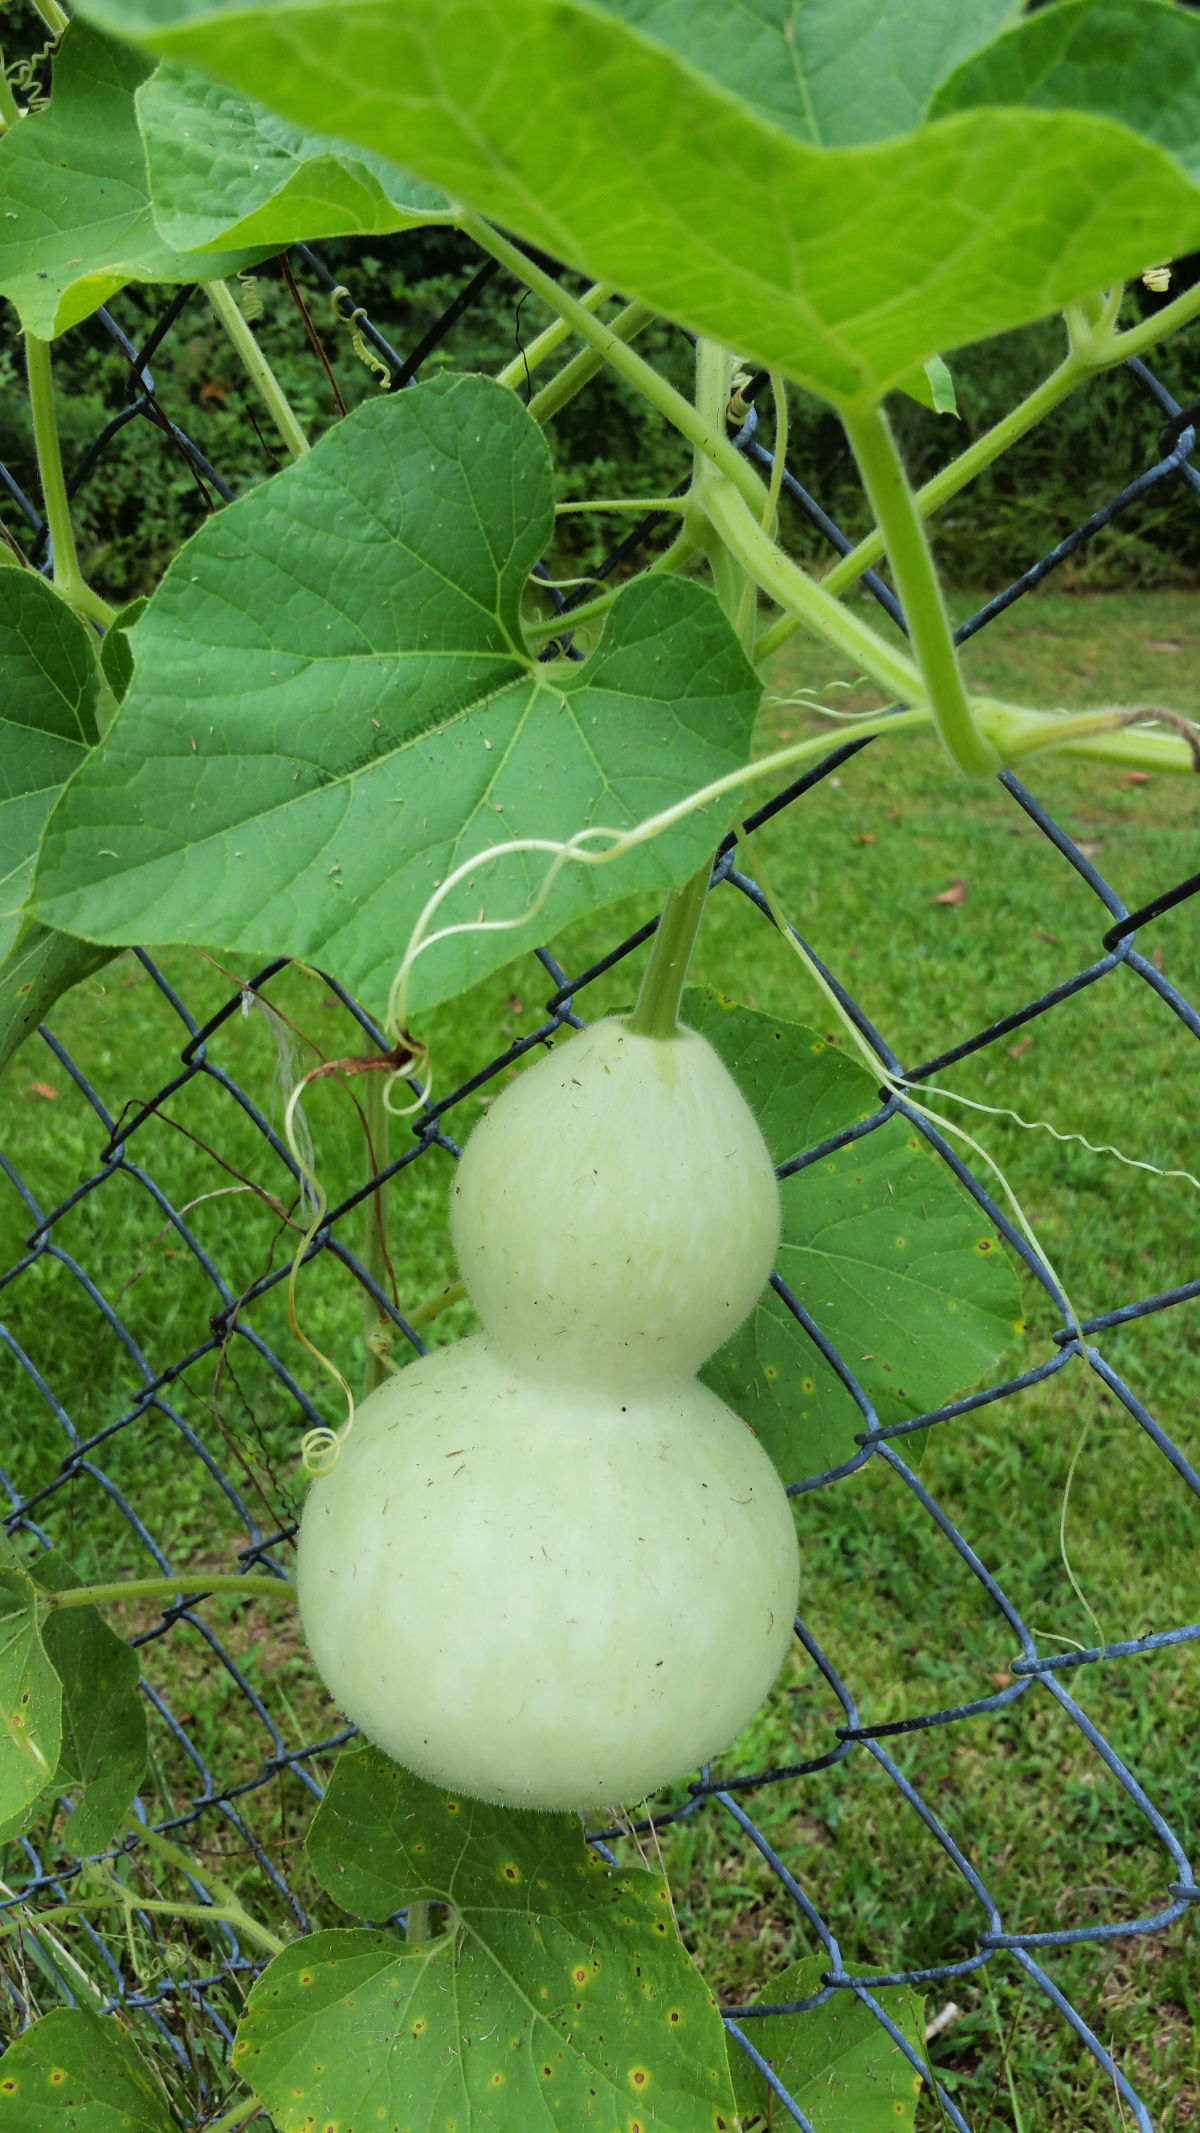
[
  {"x": 557, "y": 1996},
  {"x": 883, "y": 1248},
  {"x": 333, "y": 706},
  {"x": 1136, "y": 61},
  {"x": 225, "y": 172},
  {"x": 845, "y": 267},
  {"x": 836, "y": 2061},
  {"x": 30, "y": 1699},
  {"x": 103, "y": 1717},
  {"x": 40, "y": 967},
  {"x": 833, "y": 73},
  {"x": 48, "y": 690},
  {"x": 75, "y": 216},
  {"x": 75, "y": 2072}
]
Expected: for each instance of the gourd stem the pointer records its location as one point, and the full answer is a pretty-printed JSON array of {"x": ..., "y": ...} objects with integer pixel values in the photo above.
[
  {"x": 187, "y": 1585},
  {"x": 68, "y": 577},
  {"x": 903, "y": 531},
  {"x": 375, "y": 1322},
  {"x": 225, "y": 305},
  {"x": 657, "y": 1010},
  {"x": 417, "y": 1928}
]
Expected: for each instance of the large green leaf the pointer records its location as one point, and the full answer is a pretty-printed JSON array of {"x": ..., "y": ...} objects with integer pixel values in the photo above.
[
  {"x": 48, "y": 690},
  {"x": 223, "y": 171},
  {"x": 881, "y": 1245},
  {"x": 30, "y": 1698},
  {"x": 558, "y": 1997},
  {"x": 836, "y": 2061},
  {"x": 332, "y": 705},
  {"x": 103, "y": 1717},
  {"x": 40, "y": 967},
  {"x": 833, "y": 73},
  {"x": 75, "y": 2072},
  {"x": 75, "y": 216},
  {"x": 846, "y": 267},
  {"x": 1111, "y": 58}
]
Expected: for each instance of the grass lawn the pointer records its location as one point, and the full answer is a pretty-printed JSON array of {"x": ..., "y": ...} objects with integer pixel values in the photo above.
[{"x": 860, "y": 865}]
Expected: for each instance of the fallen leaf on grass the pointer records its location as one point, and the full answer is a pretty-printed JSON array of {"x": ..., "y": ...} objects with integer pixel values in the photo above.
[
  {"x": 1136, "y": 777},
  {"x": 1089, "y": 850},
  {"x": 955, "y": 894},
  {"x": 42, "y": 1088},
  {"x": 1040, "y": 936},
  {"x": 892, "y": 815},
  {"x": 864, "y": 838},
  {"x": 1015, "y": 1050},
  {"x": 1157, "y": 960},
  {"x": 514, "y": 1006},
  {"x": 1002, "y": 1681}
]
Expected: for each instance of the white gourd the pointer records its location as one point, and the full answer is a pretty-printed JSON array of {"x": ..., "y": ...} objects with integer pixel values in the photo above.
[{"x": 549, "y": 1566}]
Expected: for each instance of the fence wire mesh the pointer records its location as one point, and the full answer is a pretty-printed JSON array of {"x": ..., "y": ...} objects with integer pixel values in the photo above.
[{"x": 189, "y": 2003}]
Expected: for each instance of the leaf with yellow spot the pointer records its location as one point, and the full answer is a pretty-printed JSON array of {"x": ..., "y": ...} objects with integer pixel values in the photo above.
[
  {"x": 77, "y": 2072},
  {"x": 552, "y": 1994},
  {"x": 30, "y": 1700},
  {"x": 837, "y": 2061},
  {"x": 920, "y": 1313}
]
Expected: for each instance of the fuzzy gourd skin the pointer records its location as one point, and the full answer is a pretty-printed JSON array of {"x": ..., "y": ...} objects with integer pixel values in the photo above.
[
  {"x": 616, "y": 1211},
  {"x": 550, "y": 1567},
  {"x": 543, "y": 1594}
]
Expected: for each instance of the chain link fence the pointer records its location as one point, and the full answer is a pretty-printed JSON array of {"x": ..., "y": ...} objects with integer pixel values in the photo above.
[{"x": 186, "y": 2001}]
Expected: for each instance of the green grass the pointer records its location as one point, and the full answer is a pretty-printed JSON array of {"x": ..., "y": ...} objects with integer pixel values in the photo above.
[{"x": 859, "y": 865}]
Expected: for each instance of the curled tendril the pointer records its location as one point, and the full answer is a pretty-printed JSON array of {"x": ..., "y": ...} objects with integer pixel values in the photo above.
[{"x": 374, "y": 363}]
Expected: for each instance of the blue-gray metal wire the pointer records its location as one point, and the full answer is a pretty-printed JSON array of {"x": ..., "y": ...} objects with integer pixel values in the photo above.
[{"x": 232, "y": 1319}]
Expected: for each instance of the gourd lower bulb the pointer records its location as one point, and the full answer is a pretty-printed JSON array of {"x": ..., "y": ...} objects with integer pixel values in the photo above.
[{"x": 550, "y": 1567}]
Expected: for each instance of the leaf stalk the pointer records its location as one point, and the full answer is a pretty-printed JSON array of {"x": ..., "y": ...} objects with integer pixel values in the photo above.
[
  {"x": 678, "y": 411},
  {"x": 68, "y": 577},
  {"x": 257, "y": 368},
  {"x": 657, "y": 1011},
  {"x": 903, "y": 534}
]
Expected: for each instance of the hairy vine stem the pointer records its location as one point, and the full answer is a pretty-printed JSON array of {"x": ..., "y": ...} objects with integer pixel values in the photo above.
[
  {"x": 1093, "y": 348},
  {"x": 68, "y": 577},
  {"x": 903, "y": 534},
  {"x": 709, "y": 438},
  {"x": 550, "y": 338},
  {"x": 196, "y": 1586},
  {"x": 225, "y": 304}
]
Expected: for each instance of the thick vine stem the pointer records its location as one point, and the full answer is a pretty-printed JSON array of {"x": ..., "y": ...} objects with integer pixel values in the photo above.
[
  {"x": 376, "y": 1326},
  {"x": 657, "y": 1011},
  {"x": 810, "y": 602},
  {"x": 225, "y": 304},
  {"x": 168, "y": 1588},
  {"x": 574, "y": 375},
  {"x": 550, "y": 338},
  {"x": 200, "y": 1913},
  {"x": 68, "y": 577},
  {"x": 55, "y": 17},
  {"x": 903, "y": 533},
  {"x": 1107, "y": 736},
  {"x": 1094, "y": 348},
  {"x": 686, "y": 419},
  {"x": 238, "y": 2115},
  {"x": 232, "y": 1907}
]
